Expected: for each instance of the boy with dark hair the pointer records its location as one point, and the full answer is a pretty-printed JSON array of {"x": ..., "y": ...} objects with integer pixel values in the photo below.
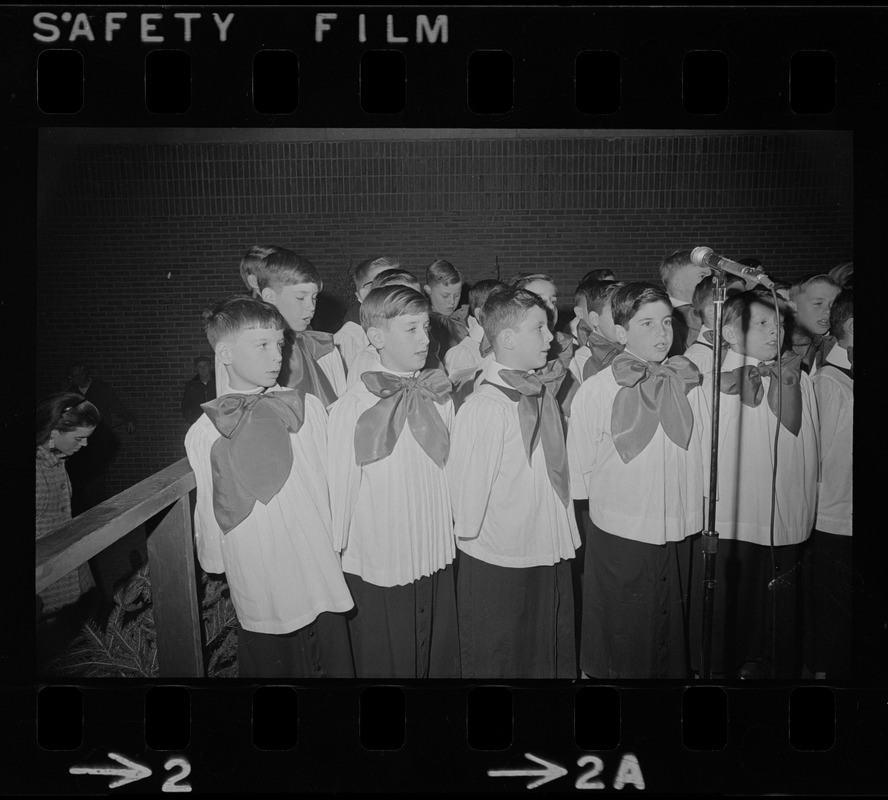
[
  {"x": 472, "y": 350},
  {"x": 596, "y": 341},
  {"x": 388, "y": 442},
  {"x": 350, "y": 338},
  {"x": 291, "y": 283},
  {"x": 633, "y": 454},
  {"x": 751, "y": 400},
  {"x": 828, "y": 558},
  {"x": 510, "y": 492},
  {"x": 262, "y": 515}
]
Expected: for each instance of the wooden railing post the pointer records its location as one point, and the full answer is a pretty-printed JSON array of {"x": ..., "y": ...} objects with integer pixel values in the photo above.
[{"x": 174, "y": 593}]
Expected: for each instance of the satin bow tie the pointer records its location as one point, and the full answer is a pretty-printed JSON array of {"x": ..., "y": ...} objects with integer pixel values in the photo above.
[
  {"x": 584, "y": 331},
  {"x": 562, "y": 348},
  {"x": 403, "y": 399},
  {"x": 485, "y": 348},
  {"x": 300, "y": 369},
  {"x": 253, "y": 457},
  {"x": 746, "y": 381},
  {"x": 540, "y": 419},
  {"x": 603, "y": 352},
  {"x": 651, "y": 395}
]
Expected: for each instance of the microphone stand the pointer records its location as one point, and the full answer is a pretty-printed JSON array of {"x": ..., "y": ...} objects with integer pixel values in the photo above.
[{"x": 710, "y": 535}]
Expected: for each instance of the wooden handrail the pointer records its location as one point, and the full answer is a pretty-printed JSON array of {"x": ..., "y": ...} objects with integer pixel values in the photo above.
[
  {"x": 77, "y": 541},
  {"x": 160, "y": 504}
]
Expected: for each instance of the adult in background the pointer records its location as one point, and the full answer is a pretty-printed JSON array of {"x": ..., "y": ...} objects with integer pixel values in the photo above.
[
  {"x": 200, "y": 389},
  {"x": 88, "y": 473}
]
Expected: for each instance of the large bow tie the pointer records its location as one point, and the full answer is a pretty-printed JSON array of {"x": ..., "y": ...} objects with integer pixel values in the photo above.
[
  {"x": 253, "y": 457},
  {"x": 652, "y": 395},
  {"x": 486, "y": 347},
  {"x": 562, "y": 348},
  {"x": 403, "y": 399},
  {"x": 540, "y": 419},
  {"x": 584, "y": 331},
  {"x": 709, "y": 336},
  {"x": 603, "y": 350},
  {"x": 746, "y": 381},
  {"x": 300, "y": 369}
]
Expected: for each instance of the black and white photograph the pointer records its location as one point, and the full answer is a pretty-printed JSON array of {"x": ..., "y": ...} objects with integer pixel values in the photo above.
[{"x": 482, "y": 364}]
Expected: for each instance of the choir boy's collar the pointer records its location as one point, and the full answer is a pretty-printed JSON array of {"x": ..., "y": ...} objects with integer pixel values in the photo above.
[
  {"x": 257, "y": 390},
  {"x": 838, "y": 357},
  {"x": 676, "y": 302},
  {"x": 409, "y": 374},
  {"x": 733, "y": 359},
  {"x": 492, "y": 372},
  {"x": 701, "y": 337},
  {"x": 639, "y": 358}
]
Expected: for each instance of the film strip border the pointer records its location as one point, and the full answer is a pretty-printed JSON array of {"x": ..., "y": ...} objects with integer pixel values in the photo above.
[
  {"x": 811, "y": 67},
  {"x": 346, "y": 737}
]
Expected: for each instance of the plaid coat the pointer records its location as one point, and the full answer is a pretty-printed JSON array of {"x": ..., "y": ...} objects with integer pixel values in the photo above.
[{"x": 53, "y": 502}]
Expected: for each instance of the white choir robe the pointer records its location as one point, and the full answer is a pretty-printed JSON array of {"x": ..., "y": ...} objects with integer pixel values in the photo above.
[
  {"x": 505, "y": 509},
  {"x": 391, "y": 518},
  {"x": 367, "y": 360},
  {"x": 578, "y": 361},
  {"x": 657, "y": 497},
  {"x": 466, "y": 354},
  {"x": 835, "y": 405},
  {"x": 351, "y": 340},
  {"x": 701, "y": 352},
  {"x": 746, "y": 458},
  {"x": 279, "y": 562}
]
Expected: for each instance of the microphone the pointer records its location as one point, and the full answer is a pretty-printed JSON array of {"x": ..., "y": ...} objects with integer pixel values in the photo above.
[{"x": 704, "y": 257}]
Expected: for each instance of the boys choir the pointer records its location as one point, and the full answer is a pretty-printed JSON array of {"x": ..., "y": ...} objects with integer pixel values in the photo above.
[{"x": 407, "y": 498}]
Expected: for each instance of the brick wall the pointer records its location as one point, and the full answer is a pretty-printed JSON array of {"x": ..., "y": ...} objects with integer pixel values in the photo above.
[{"x": 135, "y": 238}]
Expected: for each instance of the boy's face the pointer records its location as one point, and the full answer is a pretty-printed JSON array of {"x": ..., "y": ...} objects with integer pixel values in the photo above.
[
  {"x": 527, "y": 347},
  {"x": 444, "y": 299},
  {"x": 587, "y": 316},
  {"x": 812, "y": 307},
  {"x": 296, "y": 303},
  {"x": 549, "y": 294},
  {"x": 761, "y": 338},
  {"x": 709, "y": 315},
  {"x": 606, "y": 323},
  {"x": 364, "y": 288},
  {"x": 649, "y": 333},
  {"x": 404, "y": 345},
  {"x": 685, "y": 279},
  {"x": 252, "y": 357}
]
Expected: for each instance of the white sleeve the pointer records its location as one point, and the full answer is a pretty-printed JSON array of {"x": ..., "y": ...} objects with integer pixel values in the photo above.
[
  {"x": 579, "y": 443},
  {"x": 207, "y": 533},
  {"x": 343, "y": 474},
  {"x": 476, "y": 451},
  {"x": 332, "y": 366}
]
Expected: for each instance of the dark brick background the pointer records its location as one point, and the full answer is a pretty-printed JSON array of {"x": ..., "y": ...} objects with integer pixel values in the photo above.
[{"x": 137, "y": 235}]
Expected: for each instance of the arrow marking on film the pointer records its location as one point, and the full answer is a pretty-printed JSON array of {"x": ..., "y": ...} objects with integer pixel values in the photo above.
[
  {"x": 130, "y": 772},
  {"x": 549, "y": 772}
]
